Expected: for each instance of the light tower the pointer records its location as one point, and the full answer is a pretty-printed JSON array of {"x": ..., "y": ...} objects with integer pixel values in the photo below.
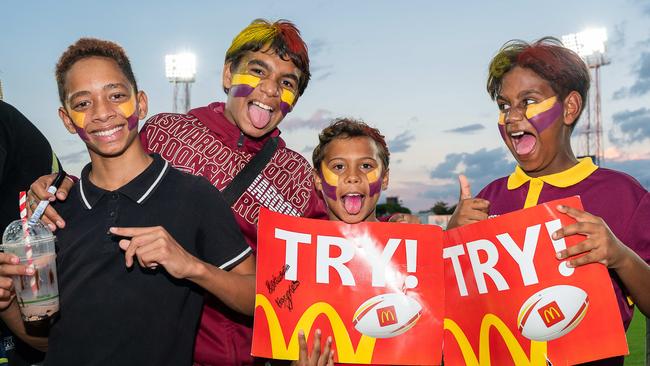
[
  {"x": 180, "y": 69},
  {"x": 590, "y": 45}
]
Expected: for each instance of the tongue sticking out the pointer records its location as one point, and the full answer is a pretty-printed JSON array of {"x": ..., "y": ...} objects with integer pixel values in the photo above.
[
  {"x": 352, "y": 204},
  {"x": 525, "y": 144},
  {"x": 260, "y": 117}
]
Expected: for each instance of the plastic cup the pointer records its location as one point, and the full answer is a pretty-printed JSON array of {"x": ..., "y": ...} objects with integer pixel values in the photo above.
[{"x": 37, "y": 295}]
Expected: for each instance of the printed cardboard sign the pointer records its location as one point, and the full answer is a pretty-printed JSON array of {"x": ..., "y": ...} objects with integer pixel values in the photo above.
[
  {"x": 509, "y": 301},
  {"x": 376, "y": 288}
]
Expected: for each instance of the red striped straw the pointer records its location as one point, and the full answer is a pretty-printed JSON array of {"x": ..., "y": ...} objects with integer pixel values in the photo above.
[{"x": 22, "y": 202}]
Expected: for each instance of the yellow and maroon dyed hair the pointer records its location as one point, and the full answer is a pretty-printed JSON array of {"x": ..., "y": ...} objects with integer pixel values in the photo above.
[{"x": 282, "y": 37}]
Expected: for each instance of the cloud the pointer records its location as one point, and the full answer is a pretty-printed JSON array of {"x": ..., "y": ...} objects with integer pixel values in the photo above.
[
  {"x": 630, "y": 126},
  {"x": 320, "y": 119},
  {"x": 617, "y": 39},
  {"x": 480, "y": 167},
  {"x": 636, "y": 168},
  {"x": 401, "y": 142},
  {"x": 307, "y": 149},
  {"x": 467, "y": 128},
  {"x": 641, "y": 73},
  {"x": 316, "y": 46},
  {"x": 320, "y": 73},
  {"x": 75, "y": 157}
]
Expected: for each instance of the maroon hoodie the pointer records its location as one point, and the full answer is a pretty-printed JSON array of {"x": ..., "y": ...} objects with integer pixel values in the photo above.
[{"x": 203, "y": 142}]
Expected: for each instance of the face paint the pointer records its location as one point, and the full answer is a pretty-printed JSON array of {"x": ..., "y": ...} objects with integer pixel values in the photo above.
[
  {"x": 244, "y": 84},
  {"x": 79, "y": 121},
  {"x": 129, "y": 111},
  {"x": 329, "y": 181},
  {"x": 540, "y": 115},
  {"x": 286, "y": 104},
  {"x": 543, "y": 114},
  {"x": 374, "y": 178}
]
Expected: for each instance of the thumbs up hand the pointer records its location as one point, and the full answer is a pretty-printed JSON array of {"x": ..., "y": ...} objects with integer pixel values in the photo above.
[{"x": 468, "y": 210}]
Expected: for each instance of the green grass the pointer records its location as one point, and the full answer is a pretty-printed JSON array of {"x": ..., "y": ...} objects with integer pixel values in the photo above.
[{"x": 636, "y": 340}]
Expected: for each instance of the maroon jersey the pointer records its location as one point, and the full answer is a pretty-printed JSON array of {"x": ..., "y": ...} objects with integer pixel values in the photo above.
[
  {"x": 203, "y": 142},
  {"x": 614, "y": 196}
]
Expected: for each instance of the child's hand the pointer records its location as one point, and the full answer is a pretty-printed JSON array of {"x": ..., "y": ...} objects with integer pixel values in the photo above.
[
  {"x": 601, "y": 245},
  {"x": 404, "y": 218},
  {"x": 317, "y": 358},
  {"x": 469, "y": 210}
]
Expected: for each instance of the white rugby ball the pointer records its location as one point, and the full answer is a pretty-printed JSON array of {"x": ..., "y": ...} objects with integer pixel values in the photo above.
[
  {"x": 552, "y": 312},
  {"x": 387, "y": 315}
]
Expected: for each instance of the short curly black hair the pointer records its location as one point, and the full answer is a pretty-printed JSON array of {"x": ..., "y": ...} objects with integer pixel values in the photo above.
[
  {"x": 343, "y": 128},
  {"x": 90, "y": 47}
]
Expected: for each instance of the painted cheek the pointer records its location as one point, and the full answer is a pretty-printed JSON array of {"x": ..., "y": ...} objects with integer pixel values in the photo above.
[
  {"x": 502, "y": 125},
  {"x": 243, "y": 85},
  {"x": 329, "y": 181},
  {"x": 286, "y": 101},
  {"x": 129, "y": 111},
  {"x": 542, "y": 115},
  {"x": 374, "y": 180},
  {"x": 79, "y": 121}
]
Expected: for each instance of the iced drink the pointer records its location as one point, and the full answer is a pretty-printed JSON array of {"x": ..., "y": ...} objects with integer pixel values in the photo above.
[{"x": 37, "y": 295}]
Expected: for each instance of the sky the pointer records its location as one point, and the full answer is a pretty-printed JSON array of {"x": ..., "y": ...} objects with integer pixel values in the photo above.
[{"x": 414, "y": 69}]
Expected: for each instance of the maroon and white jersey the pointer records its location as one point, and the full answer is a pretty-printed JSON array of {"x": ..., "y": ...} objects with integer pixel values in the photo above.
[{"x": 203, "y": 142}]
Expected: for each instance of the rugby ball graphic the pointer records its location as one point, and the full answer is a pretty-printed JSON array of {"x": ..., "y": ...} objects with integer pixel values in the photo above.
[
  {"x": 552, "y": 312},
  {"x": 387, "y": 315}
]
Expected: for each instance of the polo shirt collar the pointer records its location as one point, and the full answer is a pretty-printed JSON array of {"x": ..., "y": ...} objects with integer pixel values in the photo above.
[
  {"x": 563, "y": 179},
  {"x": 138, "y": 189}
]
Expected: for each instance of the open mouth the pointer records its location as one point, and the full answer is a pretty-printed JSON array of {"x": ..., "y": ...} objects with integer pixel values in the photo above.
[
  {"x": 259, "y": 114},
  {"x": 109, "y": 132},
  {"x": 523, "y": 142},
  {"x": 352, "y": 202}
]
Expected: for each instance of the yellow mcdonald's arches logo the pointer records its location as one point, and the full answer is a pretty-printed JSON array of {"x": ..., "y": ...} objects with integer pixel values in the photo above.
[
  {"x": 537, "y": 349},
  {"x": 551, "y": 313},
  {"x": 387, "y": 316},
  {"x": 344, "y": 349}
]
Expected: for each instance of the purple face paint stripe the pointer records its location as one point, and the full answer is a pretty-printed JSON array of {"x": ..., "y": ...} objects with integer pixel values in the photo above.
[
  {"x": 82, "y": 133},
  {"x": 502, "y": 130},
  {"x": 133, "y": 120},
  {"x": 545, "y": 119},
  {"x": 285, "y": 108},
  {"x": 330, "y": 191},
  {"x": 241, "y": 90},
  {"x": 375, "y": 187}
]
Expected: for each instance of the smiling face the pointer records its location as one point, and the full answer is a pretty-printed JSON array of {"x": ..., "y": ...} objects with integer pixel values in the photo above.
[
  {"x": 534, "y": 123},
  {"x": 351, "y": 178},
  {"x": 102, "y": 106},
  {"x": 262, "y": 89}
]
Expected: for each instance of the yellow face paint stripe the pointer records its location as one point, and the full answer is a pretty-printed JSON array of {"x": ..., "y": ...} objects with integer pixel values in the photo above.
[
  {"x": 288, "y": 96},
  {"x": 128, "y": 108},
  {"x": 239, "y": 79},
  {"x": 502, "y": 118},
  {"x": 78, "y": 118},
  {"x": 374, "y": 175},
  {"x": 534, "y": 109},
  {"x": 329, "y": 176}
]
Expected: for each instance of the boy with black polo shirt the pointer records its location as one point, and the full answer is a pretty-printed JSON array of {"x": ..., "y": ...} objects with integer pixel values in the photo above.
[{"x": 131, "y": 206}]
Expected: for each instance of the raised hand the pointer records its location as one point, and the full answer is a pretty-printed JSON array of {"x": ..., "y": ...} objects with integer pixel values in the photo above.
[
  {"x": 317, "y": 358},
  {"x": 468, "y": 210}
]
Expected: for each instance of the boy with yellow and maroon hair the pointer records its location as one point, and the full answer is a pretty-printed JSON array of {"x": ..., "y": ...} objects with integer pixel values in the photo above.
[{"x": 541, "y": 89}]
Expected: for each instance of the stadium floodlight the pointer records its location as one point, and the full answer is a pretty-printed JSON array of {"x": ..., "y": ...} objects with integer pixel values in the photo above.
[
  {"x": 180, "y": 67},
  {"x": 586, "y": 43}
]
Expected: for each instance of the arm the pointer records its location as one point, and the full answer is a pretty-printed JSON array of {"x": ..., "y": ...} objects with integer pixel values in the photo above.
[
  {"x": 153, "y": 246},
  {"x": 604, "y": 247}
]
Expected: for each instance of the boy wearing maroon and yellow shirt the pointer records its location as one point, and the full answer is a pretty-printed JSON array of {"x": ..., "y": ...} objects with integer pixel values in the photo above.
[{"x": 541, "y": 89}]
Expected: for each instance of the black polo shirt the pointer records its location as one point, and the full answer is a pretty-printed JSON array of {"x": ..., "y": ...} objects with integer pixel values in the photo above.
[{"x": 111, "y": 315}]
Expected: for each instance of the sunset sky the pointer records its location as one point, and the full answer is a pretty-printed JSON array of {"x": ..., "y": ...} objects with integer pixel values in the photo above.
[{"x": 414, "y": 69}]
